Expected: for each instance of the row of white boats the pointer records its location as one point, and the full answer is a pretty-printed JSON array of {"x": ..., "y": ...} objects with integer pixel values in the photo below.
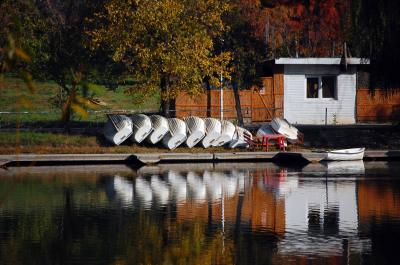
[
  {"x": 192, "y": 130},
  {"x": 173, "y": 132}
]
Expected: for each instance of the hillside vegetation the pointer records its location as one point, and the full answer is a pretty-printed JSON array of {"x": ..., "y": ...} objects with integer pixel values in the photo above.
[{"x": 42, "y": 104}]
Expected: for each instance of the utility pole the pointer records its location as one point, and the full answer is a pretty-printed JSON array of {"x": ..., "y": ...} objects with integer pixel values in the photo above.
[{"x": 221, "y": 99}]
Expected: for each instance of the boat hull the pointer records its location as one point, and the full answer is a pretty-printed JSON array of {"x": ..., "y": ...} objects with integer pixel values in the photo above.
[
  {"x": 142, "y": 127},
  {"x": 160, "y": 129},
  {"x": 345, "y": 154},
  {"x": 227, "y": 132},
  {"x": 239, "y": 140},
  {"x": 283, "y": 127},
  {"x": 121, "y": 136},
  {"x": 213, "y": 132},
  {"x": 118, "y": 135},
  {"x": 265, "y": 129},
  {"x": 176, "y": 135},
  {"x": 196, "y": 130}
]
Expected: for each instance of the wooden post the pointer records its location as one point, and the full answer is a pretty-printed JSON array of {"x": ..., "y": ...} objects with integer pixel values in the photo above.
[
  {"x": 221, "y": 100},
  {"x": 251, "y": 105},
  {"x": 326, "y": 116}
]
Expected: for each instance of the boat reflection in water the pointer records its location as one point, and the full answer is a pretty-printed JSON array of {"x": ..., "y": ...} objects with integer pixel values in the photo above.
[
  {"x": 332, "y": 168},
  {"x": 124, "y": 189},
  {"x": 255, "y": 213},
  {"x": 310, "y": 212}
]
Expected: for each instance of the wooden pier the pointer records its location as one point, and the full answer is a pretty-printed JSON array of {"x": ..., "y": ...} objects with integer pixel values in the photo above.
[{"x": 154, "y": 158}]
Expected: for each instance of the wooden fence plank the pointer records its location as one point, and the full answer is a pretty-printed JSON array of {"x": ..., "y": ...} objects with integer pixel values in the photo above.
[
  {"x": 258, "y": 107},
  {"x": 378, "y": 105}
]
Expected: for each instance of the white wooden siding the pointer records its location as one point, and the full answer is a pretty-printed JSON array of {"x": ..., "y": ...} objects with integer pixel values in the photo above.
[{"x": 302, "y": 110}]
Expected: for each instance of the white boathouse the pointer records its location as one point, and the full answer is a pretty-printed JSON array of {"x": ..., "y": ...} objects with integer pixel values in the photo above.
[
  {"x": 319, "y": 90},
  {"x": 304, "y": 91}
]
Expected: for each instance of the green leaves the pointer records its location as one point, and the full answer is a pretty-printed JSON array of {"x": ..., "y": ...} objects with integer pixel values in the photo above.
[
  {"x": 80, "y": 97},
  {"x": 14, "y": 59},
  {"x": 166, "y": 39}
]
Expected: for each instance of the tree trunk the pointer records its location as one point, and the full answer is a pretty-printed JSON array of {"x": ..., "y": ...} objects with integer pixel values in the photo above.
[
  {"x": 237, "y": 103},
  {"x": 66, "y": 108},
  {"x": 165, "y": 101},
  {"x": 67, "y": 116},
  {"x": 165, "y": 108}
]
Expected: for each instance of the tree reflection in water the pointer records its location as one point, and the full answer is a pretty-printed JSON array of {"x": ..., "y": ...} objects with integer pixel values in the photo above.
[{"x": 258, "y": 214}]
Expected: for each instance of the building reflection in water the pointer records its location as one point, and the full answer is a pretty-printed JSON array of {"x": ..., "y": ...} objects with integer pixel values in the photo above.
[
  {"x": 310, "y": 213},
  {"x": 321, "y": 214},
  {"x": 329, "y": 213}
]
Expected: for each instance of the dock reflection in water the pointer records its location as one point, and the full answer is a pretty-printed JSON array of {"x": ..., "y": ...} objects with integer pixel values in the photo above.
[{"x": 332, "y": 213}]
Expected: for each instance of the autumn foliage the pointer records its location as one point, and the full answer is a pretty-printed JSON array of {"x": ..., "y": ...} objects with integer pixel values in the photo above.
[
  {"x": 185, "y": 45},
  {"x": 298, "y": 28}
]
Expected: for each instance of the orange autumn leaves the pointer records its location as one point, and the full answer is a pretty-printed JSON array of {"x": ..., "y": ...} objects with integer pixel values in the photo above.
[{"x": 298, "y": 28}]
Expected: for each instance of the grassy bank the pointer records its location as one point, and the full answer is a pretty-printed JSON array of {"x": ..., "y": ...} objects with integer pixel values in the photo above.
[
  {"x": 15, "y": 97},
  {"x": 48, "y": 143}
]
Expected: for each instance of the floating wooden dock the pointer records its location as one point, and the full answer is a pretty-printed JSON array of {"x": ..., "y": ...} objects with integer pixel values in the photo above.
[{"x": 154, "y": 158}]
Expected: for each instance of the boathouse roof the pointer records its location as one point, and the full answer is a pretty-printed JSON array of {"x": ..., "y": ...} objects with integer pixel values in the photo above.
[{"x": 320, "y": 61}]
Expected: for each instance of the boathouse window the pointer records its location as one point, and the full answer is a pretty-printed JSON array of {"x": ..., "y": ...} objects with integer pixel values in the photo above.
[
  {"x": 312, "y": 87},
  {"x": 328, "y": 86},
  {"x": 321, "y": 87}
]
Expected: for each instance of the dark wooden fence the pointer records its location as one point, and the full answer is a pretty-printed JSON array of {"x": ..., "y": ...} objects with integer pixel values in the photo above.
[
  {"x": 378, "y": 105},
  {"x": 257, "y": 105}
]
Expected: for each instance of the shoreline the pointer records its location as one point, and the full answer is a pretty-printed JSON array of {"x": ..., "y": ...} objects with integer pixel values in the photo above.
[{"x": 138, "y": 159}]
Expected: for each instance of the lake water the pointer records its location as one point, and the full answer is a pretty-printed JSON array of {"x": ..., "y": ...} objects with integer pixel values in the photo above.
[{"x": 259, "y": 213}]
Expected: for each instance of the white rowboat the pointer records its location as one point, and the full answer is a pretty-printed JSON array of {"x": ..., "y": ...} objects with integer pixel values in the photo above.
[
  {"x": 227, "y": 132},
  {"x": 213, "y": 132},
  {"x": 160, "y": 128},
  {"x": 265, "y": 129},
  {"x": 196, "y": 129},
  {"x": 345, "y": 154},
  {"x": 282, "y": 126},
  {"x": 176, "y": 135},
  {"x": 142, "y": 127},
  {"x": 117, "y": 129},
  {"x": 240, "y": 138}
]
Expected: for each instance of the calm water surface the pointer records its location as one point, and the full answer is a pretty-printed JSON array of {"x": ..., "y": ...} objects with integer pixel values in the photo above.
[{"x": 336, "y": 213}]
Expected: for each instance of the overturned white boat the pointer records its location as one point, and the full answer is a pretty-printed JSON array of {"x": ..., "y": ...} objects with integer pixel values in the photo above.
[
  {"x": 196, "y": 129},
  {"x": 345, "y": 154},
  {"x": 241, "y": 138},
  {"x": 213, "y": 131},
  {"x": 160, "y": 128},
  {"x": 227, "y": 132},
  {"x": 142, "y": 127},
  {"x": 282, "y": 126},
  {"x": 176, "y": 135},
  {"x": 265, "y": 130},
  {"x": 118, "y": 128}
]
